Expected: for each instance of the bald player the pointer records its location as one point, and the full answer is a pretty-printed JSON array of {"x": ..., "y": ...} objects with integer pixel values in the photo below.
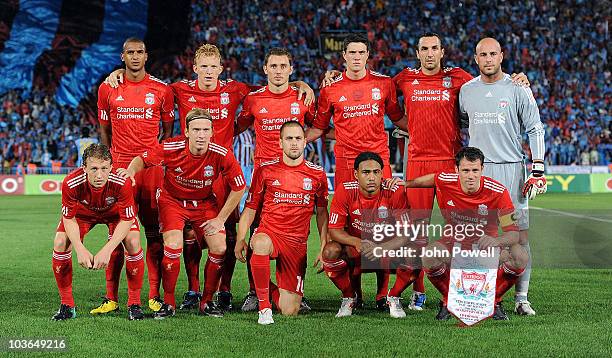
[{"x": 498, "y": 114}]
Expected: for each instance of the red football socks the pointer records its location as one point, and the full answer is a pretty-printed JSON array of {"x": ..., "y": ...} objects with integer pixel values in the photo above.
[
  {"x": 260, "y": 267},
  {"x": 171, "y": 266},
  {"x": 61, "y": 264},
  {"x": 338, "y": 273},
  {"x": 134, "y": 267}
]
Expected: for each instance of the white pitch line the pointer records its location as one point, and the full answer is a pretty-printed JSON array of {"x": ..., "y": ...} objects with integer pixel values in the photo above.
[{"x": 572, "y": 214}]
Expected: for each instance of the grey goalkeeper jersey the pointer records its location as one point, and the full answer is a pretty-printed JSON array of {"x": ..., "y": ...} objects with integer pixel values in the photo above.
[{"x": 498, "y": 113}]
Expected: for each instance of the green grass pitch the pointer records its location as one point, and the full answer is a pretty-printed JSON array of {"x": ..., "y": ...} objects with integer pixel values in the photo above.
[{"x": 574, "y": 304}]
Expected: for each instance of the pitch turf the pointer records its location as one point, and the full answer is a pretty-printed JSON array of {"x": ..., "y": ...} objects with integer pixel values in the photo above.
[{"x": 574, "y": 305}]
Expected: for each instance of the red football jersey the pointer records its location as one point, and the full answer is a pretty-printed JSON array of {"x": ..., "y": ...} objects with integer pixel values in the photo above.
[
  {"x": 267, "y": 112},
  {"x": 350, "y": 205},
  {"x": 222, "y": 104},
  {"x": 289, "y": 195},
  {"x": 358, "y": 108},
  {"x": 491, "y": 206},
  {"x": 432, "y": 108},
  {"x": 190, "y": 177},
  {"x": 134, "y": 111},
  {"x": 115, "y": 198}
]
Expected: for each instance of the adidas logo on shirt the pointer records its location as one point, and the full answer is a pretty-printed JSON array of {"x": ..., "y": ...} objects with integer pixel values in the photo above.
[
  {"x": 192, "y": 99},
  {"x": 489, "y": 94},
  {"x": 415, "y": 82},
  {"x": 450, "y": 203},
  {"x": 119, "y": 98},
  {"x": 263, "y": 110},
  {"x": 356, "y": 212},
  {"x": 276, "y": 183},
  {"x": 178, "y": 170},
  {"x": 342, "y": 99}
]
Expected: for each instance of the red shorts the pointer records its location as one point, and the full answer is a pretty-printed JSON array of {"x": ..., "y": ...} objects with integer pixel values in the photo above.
[
  {"x": 86, "y": 223},
  {"x": 174, "y": 214},
  {"x": 421, "y": 199},
  {"x": 222, "y": 189},
  {"x": 345, "y": 171},
  {"x": 148, "y": 181},
  {"x": 290, "y": 261}
]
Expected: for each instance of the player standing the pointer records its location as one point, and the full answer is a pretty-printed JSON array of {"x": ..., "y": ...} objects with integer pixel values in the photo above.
[
  {"x": 498, "y": 114},
  {"x": 465, "y": 197},
  {"x": 267, "y": 109},
  {"x": 350, "y": 221},
  {"x": 129, "y": 117},
  {"x": 191, "y": 165},
  {"x": 91, "y": 195},
  {"x": 287, "y": 189},
  {"x": 358, "y": 101}
]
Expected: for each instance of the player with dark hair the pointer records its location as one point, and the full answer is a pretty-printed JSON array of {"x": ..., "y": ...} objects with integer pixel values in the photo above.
[
  {"x": 130, "y": 116},
  {"x": 287, "y": 189},
  {"x": 191, "y": 164},
  {"x": 266, "y": 110},
  {"x": 358, "y": 100},
  {"x": 356, "y": 206},
  {"x": 465, "y": 197},
  {"x": 95, "y": 194}
]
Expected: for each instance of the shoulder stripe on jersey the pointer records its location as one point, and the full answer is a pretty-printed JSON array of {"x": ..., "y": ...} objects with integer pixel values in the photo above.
[
  {"x": 449, "y": 175},
  {"x": 261, "y": 90},
  {"x": 378, "y": 74},
  {"x": 494, "y": 185},
  {"x": 79, "y": 177},
  {"x": 77, "y": 183},
  {"x": 174, "y": 147},
  {"x": 116, "y": 180},
  {"x": 335, "y": 80},
  {"x": 313, "y": 165},
  {"x": 153, "y": 78},
  {"x": 449, "y": 68},
  {"x": 495, "y": 189},
  {"x": 115, "y": 176},
  {"x": 488, "y": 180},
  {"x": 229, "y": 80},
  {"x": 110, "y": 180},
  {"x": 217, "y": 149},
  {"x": 393, "y": 188},
  {"x": 270, "y": 162},
  {"x": 333, "y": 218},
  {"x": 239, "y": 180},
  {"x": 473, "y": 80}
]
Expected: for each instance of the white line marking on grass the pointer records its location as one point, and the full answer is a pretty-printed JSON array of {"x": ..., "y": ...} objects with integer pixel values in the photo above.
[{"x": 572, "y": 214}]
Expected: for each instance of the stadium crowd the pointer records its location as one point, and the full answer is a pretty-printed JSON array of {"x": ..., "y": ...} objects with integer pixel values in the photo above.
[{"x": 562, "y": 49}]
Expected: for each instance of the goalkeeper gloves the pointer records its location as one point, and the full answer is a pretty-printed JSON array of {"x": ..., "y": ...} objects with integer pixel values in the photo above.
[{"x": 536, "y": 183}]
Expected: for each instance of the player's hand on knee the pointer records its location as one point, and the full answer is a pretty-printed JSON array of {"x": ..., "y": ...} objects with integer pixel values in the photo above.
[
  {"x": 115, "y": 78},
  {"x": 85, "y": 258},
  {"x": 240, "y": 250},
  {"x": 100, "y": 261},
  {"x": 536, "y": 183},
  {"x": 213, "y": 226}
]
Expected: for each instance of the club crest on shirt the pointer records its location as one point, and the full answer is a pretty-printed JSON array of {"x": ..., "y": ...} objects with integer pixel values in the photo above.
[
  {"x": 295, "y": 108},
  {"x": 503, "y": 103},
  {"x": 110, "y": 200},
  {"x": 208, "y": 171},
  {"x": 307, "y": 184},
  {"x": 483, "y": 210},
  {"x": 383, "y": 213},
  {"x": 150, "y": 99},
  {"x": 447, "y": 82},
  {"x": 225, "y": 98},
  {"x": 376, "y": 94}
]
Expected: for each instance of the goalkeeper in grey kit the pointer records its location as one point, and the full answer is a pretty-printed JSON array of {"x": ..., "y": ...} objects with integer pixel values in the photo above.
[{"x": 498, "y": 113}]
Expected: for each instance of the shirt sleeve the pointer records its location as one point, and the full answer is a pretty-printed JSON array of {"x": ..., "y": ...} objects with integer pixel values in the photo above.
[
  {"x": 506, "y": 214},
  {"x": 167, "y": 108},
  {"x": 103, "y": 105},
  {"x": 322, "y": 194},
  {"x": 339, "y": 210},
  {"x": 464, "y": 119},
  {"x": 529, "y": 116},
  {"x": 153, "y": 156},
  {"x": 232, "y": 171},
  {"x": 125, "y": 202},
  {"x": 256, "y": 192},
  {"x": 245, "y": 118},
  {"x": 392, "y": 107},
  {"x": 69, "y": 199},
  {"x": 324, "y": 111}
]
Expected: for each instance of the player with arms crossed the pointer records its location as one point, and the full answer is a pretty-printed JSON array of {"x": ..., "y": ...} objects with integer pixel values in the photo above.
[
  {"x": 266, "y": 110},
  {"x": 498, "y": 114},
  {"x": 129, "y": 117},
  {"x": 191, "y": 165},
  {"x": 465, "y": 197},
  {"x": 288, "y": 189},
  {"x": 358, "y": 101},
  {"x": 431, "y": 103},
  {"x": 91, "y": 195},
  {"x": 350, "y": 222}
]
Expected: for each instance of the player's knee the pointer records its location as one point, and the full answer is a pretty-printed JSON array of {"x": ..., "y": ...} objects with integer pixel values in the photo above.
[
  {"x": 189, "y": 234},
  {"x": 524, "y": 237},
  {"x": 520, "y": 257},
  {"x": 61, "y": 242},
  {"x": 216, "y": 244},
  {"x": 332, "y": 251},
  {"x": 290, "y": 309},
  {"x": 173, "y": 239},
  {"x": 132, "y": 242},
  {"x": 261, "y": 244}
]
